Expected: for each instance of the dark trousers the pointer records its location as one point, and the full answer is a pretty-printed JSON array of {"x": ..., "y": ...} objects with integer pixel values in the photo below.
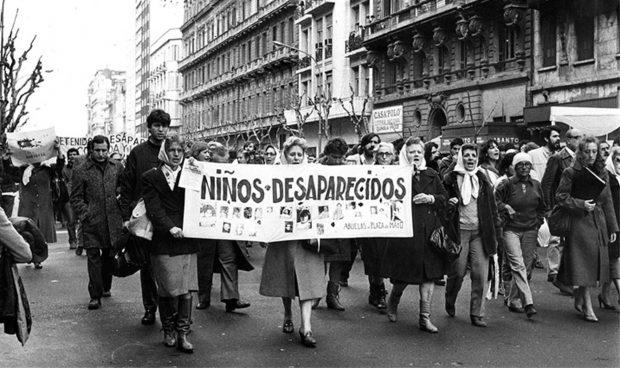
[
  {"x": 206, "y": 260},
  {"x": 100, "y": 263},
  {"x": 147, "y": 281},
  {"x": 227, "y": 256},
  {"x": 69, "y": 216},
  {"x": 6, "y": 202},
  {"x": 348, "y": 265}
]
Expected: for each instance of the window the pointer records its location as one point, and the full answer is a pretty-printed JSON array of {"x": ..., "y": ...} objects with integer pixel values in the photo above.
[
  {"x": 584, "y": 31},
  {"x": 463, "y": 54},
  {"x": 291, "y": 31},
  {"x": 387, "y": 7},
  {"x": 329, "y": 81},
  {"x": 548, "y": 38},
  {"x": 356, "y": 81},
  {"x": 507, "y": 43}
]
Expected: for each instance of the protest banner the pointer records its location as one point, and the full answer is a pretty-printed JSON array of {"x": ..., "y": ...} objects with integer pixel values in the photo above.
[
  {"x": 31, "y": 147},
  {"x": 289, "y": 202},
  {"x": 121, "y": 143}
]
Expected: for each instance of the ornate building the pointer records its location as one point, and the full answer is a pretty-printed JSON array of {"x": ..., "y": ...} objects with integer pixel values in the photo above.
[
  {"x": 334, "y": 78},
  {"x": 106, "y": 103},
  {"x": 236, "y": 81},
  {"x": 576, "y": 56},
  {"x": 458, "y": 68}
]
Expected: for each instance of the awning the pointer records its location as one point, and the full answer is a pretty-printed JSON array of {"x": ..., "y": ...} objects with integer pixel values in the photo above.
[
  {"x": 590, "y": 121},
  {"x": 540, "y": 113}
]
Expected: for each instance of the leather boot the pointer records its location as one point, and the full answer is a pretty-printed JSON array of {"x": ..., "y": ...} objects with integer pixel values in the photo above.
[
  {"x": 392, "y": 305},
  {"x": 381, "y": 303},
  {"x": 332, "y": 299},
  {"x": 184, "y": 320},
  {"x": 168, "y": 321},
  {"x": 425, "y": 317}
]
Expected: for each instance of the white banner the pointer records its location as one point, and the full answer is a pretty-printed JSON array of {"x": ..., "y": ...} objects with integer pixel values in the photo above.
[
  {"x": 289, "y": 202},
  {"x": 388, "y": 120},
  {"x": 121, "y": 143},
  {"x": 31, "y": 147}
]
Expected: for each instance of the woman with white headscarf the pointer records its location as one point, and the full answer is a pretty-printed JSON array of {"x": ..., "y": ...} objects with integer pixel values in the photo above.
[
  {"x": 172, "y": 255},
  {"x": 412, "y": 260},
  {"x": 475, "y": 218}
]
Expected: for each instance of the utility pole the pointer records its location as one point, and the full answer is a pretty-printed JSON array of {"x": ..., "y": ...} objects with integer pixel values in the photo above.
[{"x": 2, "y": 62}]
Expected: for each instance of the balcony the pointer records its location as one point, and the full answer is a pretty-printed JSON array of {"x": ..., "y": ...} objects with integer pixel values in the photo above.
[
  {"x": 421, "y": 11},
  {"x": 243, "y": 27},
  {"x": 355, "y": 41},
  {"x": 316, "y": 6},
  {"x": 271, "y": 60}
]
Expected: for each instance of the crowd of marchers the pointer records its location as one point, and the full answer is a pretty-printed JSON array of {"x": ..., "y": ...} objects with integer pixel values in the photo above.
[{"x": 494, "y": 200}]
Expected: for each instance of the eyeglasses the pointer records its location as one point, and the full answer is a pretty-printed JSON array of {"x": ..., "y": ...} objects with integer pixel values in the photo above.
[
  {"x": 524, "y": 164},
  {"x": 384, "y": 153}
]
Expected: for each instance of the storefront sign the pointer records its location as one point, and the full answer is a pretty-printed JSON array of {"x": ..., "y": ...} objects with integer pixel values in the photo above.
[
  {"x": 289, "y": 202},
  {"x": 388, "y": 120}
]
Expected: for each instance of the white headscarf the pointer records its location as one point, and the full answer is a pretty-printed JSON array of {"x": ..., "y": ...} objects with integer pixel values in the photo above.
[
  {"x": 277, "y": 159},
  {"x": 404, "y": 160},
  {"x": 609, "y": 165},
  {"x": 170, "y": 173},
  {"x": 470, "y": 185}
]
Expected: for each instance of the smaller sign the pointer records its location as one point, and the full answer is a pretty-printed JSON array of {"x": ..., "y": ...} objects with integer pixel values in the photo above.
[
  {"x": 31, "y": 147},
  {"x": 388, "y": 120}
]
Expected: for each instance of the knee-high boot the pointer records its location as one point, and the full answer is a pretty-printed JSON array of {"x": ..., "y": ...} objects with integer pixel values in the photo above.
[
  {"x": 377, "y": 296},
  {"x": 184, "y": 320},
  {"x": 425, "y": 317},
  {"x": 332, "y": 299},
  {"x": 168, "y": 321}
]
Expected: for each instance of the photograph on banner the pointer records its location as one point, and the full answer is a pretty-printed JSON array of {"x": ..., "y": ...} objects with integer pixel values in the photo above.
[
  {"x": 31, "y": 147},
  {"x": 279, "y": 203},
  {"x": 119, "y": 143}
]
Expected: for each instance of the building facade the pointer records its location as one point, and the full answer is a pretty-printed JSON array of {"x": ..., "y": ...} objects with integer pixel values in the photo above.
[
  {"x": 457, "y": 68},
  {"x": 333, "y": 75},
  {"x": 153, "y": 19},
  {"x": 576, "y": 57},
  {"x": 106, "y": 103},
  {"x": 164, "y": 77},
  {"x": 236, "y": 81}
]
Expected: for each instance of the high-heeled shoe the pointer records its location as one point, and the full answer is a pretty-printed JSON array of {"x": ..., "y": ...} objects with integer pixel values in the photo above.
[
  {"x": 590, "y": 317},
  {"x": 307, "y": 339},
  {"x": 603, "y": 305},
  {"x": 287, "y": 326}
]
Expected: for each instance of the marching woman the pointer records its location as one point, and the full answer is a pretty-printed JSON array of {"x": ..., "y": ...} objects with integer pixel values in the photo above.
[
  {"x": 593, "y": 225},
  {"x": 290, "y": 270},
  {"x": 172, "y": 255},
  {"x": 412, "y": 260},
  {"x": 471, "y": 196},
  {"x": 612, "y": 164}
]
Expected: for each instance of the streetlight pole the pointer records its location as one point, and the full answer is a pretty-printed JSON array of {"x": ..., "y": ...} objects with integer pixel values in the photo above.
[{"x": 319, "y": 69}]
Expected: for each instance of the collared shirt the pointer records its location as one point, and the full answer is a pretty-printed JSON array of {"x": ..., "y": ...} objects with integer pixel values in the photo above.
[{"x": 540, "y": 156}]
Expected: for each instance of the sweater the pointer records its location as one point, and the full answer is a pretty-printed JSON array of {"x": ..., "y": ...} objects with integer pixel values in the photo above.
[{"x": 141, "y": 159}]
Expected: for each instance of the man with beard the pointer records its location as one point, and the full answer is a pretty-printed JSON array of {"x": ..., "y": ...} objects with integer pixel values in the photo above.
[
  {"x": 540, "y": 156},
  {"x": 141, "y": 159},
  {"x": 366, "y": 155},
  {"x": 93, "y": 196},
  {"x": 550, "y": 182}
]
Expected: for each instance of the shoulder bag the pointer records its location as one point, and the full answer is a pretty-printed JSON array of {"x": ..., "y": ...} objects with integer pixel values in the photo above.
[
  {"x": 559, "y": 222},
  {"x": 442, "y": 244}
]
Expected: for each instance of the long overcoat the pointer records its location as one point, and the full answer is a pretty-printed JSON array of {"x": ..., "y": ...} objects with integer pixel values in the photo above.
[
  {"x": 412, "y": 260},
  {"x": 35, "y": 198},
  {"x": 291, "y": 270},
  {"x": 614, "y": 185},
  {"x": 94, "y": 190},
  {"x": 585, "y": 259}
]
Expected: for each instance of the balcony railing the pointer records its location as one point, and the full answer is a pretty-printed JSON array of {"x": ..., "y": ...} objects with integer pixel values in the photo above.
[
  {"x": 355, "y": 41},
  {"x": 232, "y": 33},
  {"x": 313, "y": 6}
]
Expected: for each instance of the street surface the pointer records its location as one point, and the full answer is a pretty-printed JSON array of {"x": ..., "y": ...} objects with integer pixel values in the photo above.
[{"x": 66, "y": 334}]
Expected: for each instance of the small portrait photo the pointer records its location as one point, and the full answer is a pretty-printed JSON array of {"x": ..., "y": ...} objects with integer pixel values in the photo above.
[
  {"x": 397, "y": 207},
  {"x": 207, "y": 216},
  {"x": 338, "y": 212},
  {"x": 258, "y": 213},
  {"x": 286, "y": 213},
  {"x": 247, "y": 212},
  {"x": 226, "y": 227},
  {"x": 304, "y": 219},
  {"x": 373, "y": 210},
  {"x": 288, "y": 226},
  {"x": 269, "y": 209},
  {"x": 236, "y": 212},
  {"x": 320, "y": 229},
  {"x": 351, "y": 206},
  {"x": 358, "y": 213},
  {"x": 252, "y": 229},
  {"x": 239, "y": 229},
  {"x": 224, "y": 212},
  {"x": 323, "y": 212}
]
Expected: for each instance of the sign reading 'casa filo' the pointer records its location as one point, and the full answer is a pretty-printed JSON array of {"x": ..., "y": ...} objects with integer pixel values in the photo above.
[{"x": 388, "y": 120}]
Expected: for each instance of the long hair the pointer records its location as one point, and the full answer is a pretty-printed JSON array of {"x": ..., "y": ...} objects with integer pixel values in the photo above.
[
  {"x": 599, "y": 164},
  {"x": 483, "y": 157}
]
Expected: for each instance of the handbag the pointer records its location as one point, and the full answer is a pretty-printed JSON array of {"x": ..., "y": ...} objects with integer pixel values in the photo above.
[
  {"x": 130, "y": 256},
  {"x": 139, "y": 223},
  {"x": 559, "y": 222},
  {"x": 442, "y": 244}
]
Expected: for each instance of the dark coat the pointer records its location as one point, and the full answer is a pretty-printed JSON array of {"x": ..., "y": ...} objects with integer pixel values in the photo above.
[
  {"x": 614, "y": 186},
  {"x": 556, "y": 164},
  {"x": 412, "y": 260},
  {"x": 36, "y": 200},
  {"x": 93, "y": 197},
  {"x": 487, "y": 210},
  {"x": 165, "y": 210},
  {"x": 141, "y": 159},
  {"x": 585, "y": 259},
  {"x": 342, "y": 245}
]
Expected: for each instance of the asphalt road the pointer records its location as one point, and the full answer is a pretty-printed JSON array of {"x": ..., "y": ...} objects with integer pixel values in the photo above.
[{"x": 66, "y": 334}]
